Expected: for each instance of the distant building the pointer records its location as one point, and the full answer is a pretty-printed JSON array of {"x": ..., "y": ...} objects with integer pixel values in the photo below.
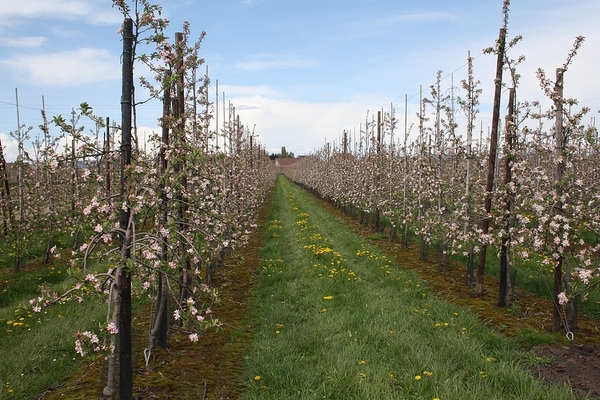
[{"x": 284, "y": 162}]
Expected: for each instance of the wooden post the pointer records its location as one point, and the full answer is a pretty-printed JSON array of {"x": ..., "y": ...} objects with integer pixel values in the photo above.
[
  {"x": 124, "y": 273},
  {"x": 470, "y": 119},
  {"x": 107, "y": 154},
  {"x": 485, "y": 222},
  {"x": 161, "y": 323},
  {"x": 503, "y": 293},
  {"x": 20, "y": 184},
  {"x": 559, "y": 172},
  {"x": 377, "y": 217},
  {"x": 179, "y": 144},
  {"x": 7, "y": 217}
]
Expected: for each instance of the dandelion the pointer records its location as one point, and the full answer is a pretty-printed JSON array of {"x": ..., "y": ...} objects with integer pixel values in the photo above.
[
  {"x": 362, "y": 362},
  {"x": 418, "y": 378},
  {"x": 328, "y": 298},
  {"x": 257, "y": 378}
]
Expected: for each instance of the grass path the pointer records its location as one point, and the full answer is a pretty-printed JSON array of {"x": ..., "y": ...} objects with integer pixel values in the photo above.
[{"x": 336, "y": 319}]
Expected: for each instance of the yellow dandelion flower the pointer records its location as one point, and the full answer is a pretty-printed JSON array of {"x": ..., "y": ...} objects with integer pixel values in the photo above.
[
  {"x": 362, "y": 375},
  {"x": 257, "y": 378},
  {"x": 418, "y": 378},
  {"x": 328, "y": 298},
  {"x": 362, "y": 362}
]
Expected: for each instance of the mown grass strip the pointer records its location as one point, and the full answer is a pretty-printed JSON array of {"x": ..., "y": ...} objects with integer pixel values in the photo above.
[
  {"x": 37, "y": 349},
  {"x": 336, "y": 319}
]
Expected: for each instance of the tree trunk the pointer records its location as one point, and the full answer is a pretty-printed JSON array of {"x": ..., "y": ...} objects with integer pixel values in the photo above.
[
  {"x": 161, "y": 322},
  {"x": 485, "y": 222},
  {"x": 180, "y": 170},
  {"x": 504, "y": 290},
  {"x": 559, "y": 173}
]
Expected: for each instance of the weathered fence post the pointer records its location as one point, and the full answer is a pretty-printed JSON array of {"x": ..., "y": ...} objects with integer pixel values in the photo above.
[
  {"x": 485, "y": 222},
  {"x": 124, "y": 273}
]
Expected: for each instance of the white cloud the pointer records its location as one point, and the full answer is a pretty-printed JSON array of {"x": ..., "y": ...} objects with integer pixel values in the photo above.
[
  {"x": 24, "y": 42},
  {"x": 68, "y": 68},
  {"x": 275, "y": 61},
  {"x": 244, "y": 91},
  {"x": 95, "y": 12},
  {"x": 10, "y": 147},
  {"x": 299, "y": 126}
]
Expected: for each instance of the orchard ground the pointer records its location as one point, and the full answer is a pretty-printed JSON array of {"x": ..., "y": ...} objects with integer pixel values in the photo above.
[{"x": 212, "y": 367}]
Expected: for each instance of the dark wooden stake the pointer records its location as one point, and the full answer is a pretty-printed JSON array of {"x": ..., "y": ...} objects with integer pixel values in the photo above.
[
  {"x": 485, "y": 222},
  {"x": 124, "y": 273},
  {"x": 504, "y": 290},
  {"x": 559, "y": 173}
]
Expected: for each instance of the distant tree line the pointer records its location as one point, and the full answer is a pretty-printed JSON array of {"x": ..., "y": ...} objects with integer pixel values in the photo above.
[{"x": 284, "y": 154}]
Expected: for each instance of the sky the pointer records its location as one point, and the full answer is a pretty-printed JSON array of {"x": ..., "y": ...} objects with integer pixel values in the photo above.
[{"x": 299, "y": 72}]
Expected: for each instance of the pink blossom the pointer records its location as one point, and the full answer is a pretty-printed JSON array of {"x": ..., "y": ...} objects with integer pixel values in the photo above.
[
  {"x": 562, "y": 298},
  {"x": 112, "y": 328}
]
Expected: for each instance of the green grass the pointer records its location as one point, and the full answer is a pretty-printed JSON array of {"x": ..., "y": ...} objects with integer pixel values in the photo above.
[
  {"x": 33, "y": 248},
  {"x": 24, "y": 284},
  {"x": 38, "y": 348},
  {"x": 336, "y": 319},
  {"x": 533, "y": 276}
]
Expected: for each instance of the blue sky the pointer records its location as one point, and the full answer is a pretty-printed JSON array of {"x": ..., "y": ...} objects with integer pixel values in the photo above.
[{"x": 302, "y": 71}]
